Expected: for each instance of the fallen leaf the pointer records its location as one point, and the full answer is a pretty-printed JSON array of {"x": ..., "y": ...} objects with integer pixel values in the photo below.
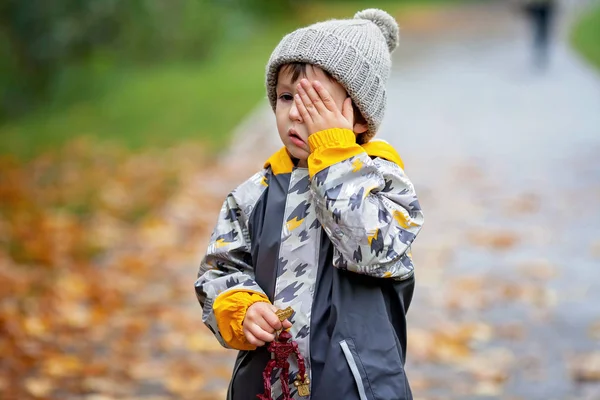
[
  {"x": 99, "y": 384},
  {"x": 540, "y": 269},
  {"x": 99, "y": 397},
  {"x": 496, "y": 240},
  {"x": 202, "y": 342},
  {"x": 525, "y": 203},
  {"x": 491, "y": 365},
  {"x": 34, "y": 326},
  {"x": 467, "y": 293},
  {"x": 39, "y": 387},
  {"x": 585, "y": 367},
  {"x": 450, "y": 346},
  {"x": 183, "y": 384},
  {"x": 62, "y": 365},
  {"x": 488, "y": 388}
]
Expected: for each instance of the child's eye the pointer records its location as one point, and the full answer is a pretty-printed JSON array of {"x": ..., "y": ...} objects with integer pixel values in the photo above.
[{"x": 286, "y": 97}]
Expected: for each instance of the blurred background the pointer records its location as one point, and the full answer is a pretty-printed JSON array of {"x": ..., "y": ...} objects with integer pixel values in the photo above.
[{"x": 124, "y": 124}]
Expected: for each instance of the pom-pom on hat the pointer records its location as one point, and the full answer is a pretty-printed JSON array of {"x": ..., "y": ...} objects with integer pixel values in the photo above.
[{"x": 356, "y": 52}]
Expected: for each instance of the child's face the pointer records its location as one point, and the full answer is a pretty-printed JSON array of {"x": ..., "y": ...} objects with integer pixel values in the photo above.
[{"x": 292, "y": 130}]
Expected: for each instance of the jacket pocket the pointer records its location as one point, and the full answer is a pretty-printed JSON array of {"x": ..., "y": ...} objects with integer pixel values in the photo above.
[{"x": 357, "y": 368}]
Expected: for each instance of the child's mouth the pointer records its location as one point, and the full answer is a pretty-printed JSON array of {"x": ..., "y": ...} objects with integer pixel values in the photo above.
[{"x": 295, "y": 138}]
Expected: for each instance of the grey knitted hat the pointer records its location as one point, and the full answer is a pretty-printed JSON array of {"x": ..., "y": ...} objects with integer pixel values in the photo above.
[{"x": 356, "y": 52}]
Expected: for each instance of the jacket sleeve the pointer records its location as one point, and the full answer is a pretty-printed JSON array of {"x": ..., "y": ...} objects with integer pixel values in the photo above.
[
  {"x": 225, "y": 286},
  {"x": 367, "y": 207}
]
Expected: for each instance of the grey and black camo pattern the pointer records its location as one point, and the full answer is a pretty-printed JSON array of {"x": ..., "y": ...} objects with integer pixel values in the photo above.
[
  {"x": 368, "y": 209},
  {"x": 370, "y": 212},
  {"x": 298, "y": 265},
  {"x": 226, "y": 265}
]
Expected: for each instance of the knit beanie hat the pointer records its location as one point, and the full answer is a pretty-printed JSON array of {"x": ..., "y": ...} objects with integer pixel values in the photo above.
[{"x": 356, "y": 52}]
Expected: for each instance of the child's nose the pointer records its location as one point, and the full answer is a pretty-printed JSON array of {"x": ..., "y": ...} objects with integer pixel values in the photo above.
[{"x": 294, "y": 114}]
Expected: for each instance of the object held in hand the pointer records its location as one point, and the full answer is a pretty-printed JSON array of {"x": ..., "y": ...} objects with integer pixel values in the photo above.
[
  {"x": 303, "y": 385},
  {"x": 281, "y": 348},
  {"x": 285, "y": 313}
]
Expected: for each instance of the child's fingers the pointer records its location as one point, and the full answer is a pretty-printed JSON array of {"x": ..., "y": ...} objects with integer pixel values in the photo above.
[
  {"x": 264, "y": 324},
  {"x": 270, "y": 318},
  {"x": 325, "y": 96},
  {"x": 260, "y": 334},
  {"x": 286, "y": 324},
  {"x": 308, "y": 104},
  {"x": 314, "y": 97},
  {"x": 253, "y": 340},
  {"x": 306, "y": 117}
]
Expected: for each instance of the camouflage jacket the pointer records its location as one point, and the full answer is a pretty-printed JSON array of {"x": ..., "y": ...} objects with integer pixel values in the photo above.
[{"x": 333, "y": 242}]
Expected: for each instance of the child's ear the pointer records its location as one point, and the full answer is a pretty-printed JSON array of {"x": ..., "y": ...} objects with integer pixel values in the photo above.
[{"x": 359, "y": 128}]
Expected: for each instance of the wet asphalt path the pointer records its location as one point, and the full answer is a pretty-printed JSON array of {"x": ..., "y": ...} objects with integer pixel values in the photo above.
[{"x": 507, "y": 163}]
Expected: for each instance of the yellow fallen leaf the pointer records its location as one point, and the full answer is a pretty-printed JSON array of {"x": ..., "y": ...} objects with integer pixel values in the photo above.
[
  {"x": 421, "y": 344},
  {"x": 157, "y": 232},
  {"x": 450, "y": 347},
  {"x": 99, "y": 397},
  {"x": 35, "y": 326},
  {"x": 421, "y": 383},
  {"x": 75, "y": 315},
  {"x": 468, "y": 293},
  {"x": 99, "y": 384},
  {"x": 62, "y": 365},
  {"x": 39, "y": 387},
  {"x": 202, "y": 342},
  {"x": 146, "y": 370},
  {"x": 488, "y": 388},
  {"x": 477, "y": 331},
  {"x": 181, "y": 385},
  {"x": 497, "y": 240},
  {"x": 73, "y": 286}
]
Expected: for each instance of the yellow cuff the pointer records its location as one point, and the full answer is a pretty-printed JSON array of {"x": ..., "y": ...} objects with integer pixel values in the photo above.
[
  {"x": 230, "y": 310},
  {"x": 329, "y": 147}
]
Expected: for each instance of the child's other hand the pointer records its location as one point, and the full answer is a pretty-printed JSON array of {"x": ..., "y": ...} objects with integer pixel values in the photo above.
[
  {"x": 318, "y": 109},
  {"x": 261, "y": 322}
]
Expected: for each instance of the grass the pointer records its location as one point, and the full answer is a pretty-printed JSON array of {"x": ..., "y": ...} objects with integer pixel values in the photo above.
[
  {"x": 585, "y": 35},
  {"x": 165, "y": 104},
  {"x": 147, "y": 107}
]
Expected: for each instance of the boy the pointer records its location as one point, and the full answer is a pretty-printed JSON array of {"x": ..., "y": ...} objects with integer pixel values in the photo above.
[{"x": 326, "y": 226}]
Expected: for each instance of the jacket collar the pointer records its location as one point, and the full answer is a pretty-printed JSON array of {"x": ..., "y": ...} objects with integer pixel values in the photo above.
[{"x": 281, "y": 162}]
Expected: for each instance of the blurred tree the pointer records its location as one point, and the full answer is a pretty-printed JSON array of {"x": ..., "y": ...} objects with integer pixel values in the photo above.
[
  {"x": 154, "y": 30},
  {"x": 42, "y": 41},
  {"x": 39, "y": 38}
]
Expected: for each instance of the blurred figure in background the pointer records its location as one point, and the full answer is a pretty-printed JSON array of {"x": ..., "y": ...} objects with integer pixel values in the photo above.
[{"x": 540, "y": 14}]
